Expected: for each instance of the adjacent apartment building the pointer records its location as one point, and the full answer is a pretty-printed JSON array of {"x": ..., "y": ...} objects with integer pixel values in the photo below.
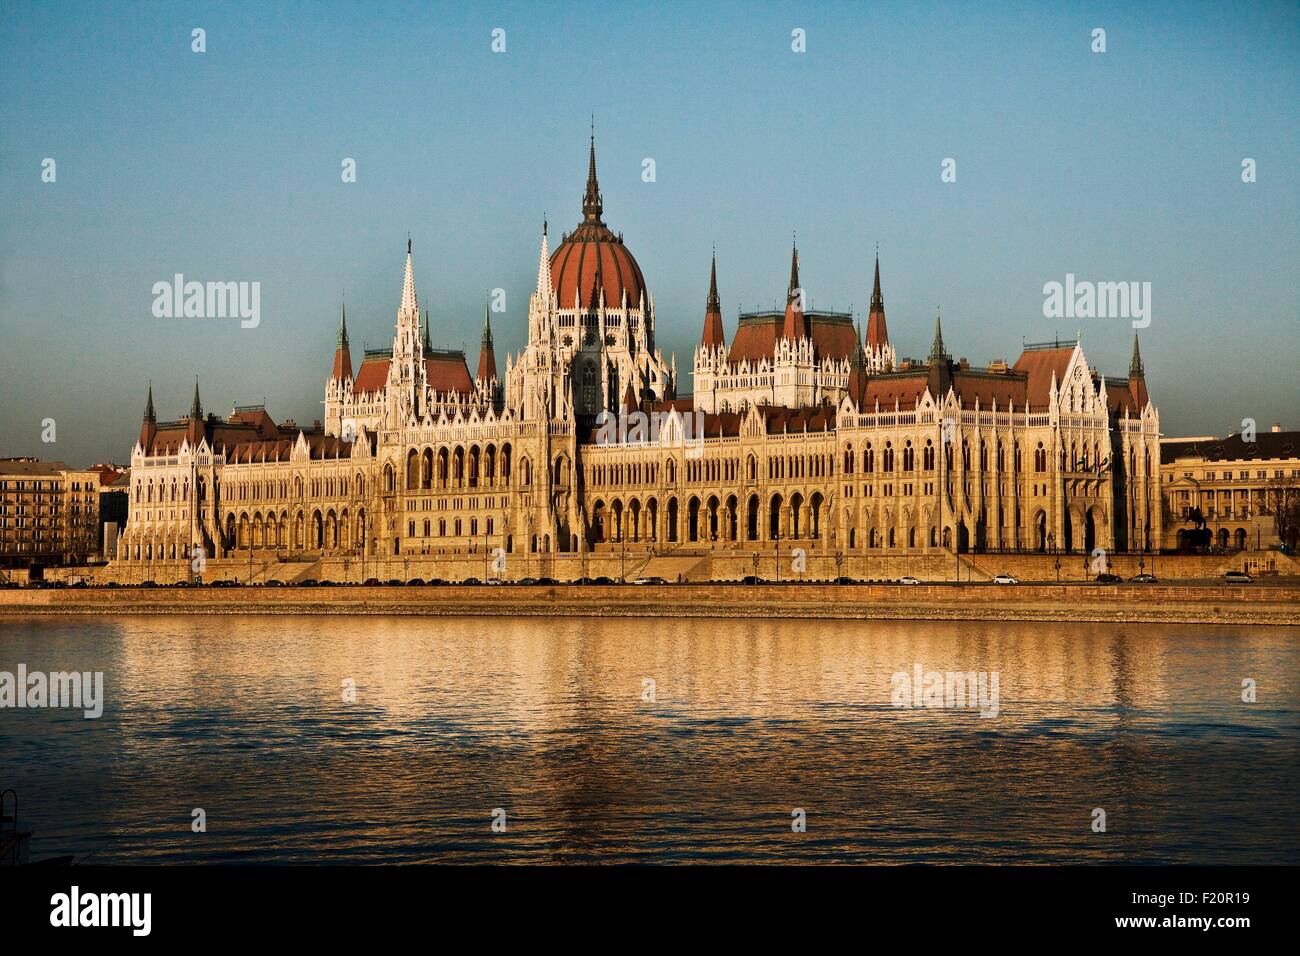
[
  {"x": 1246, "y": 493},
  {"x": 49, "y": 513}
]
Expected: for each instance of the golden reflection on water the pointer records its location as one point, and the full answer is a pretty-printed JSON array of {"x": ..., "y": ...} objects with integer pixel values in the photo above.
[{"x": 548, "y": 719}]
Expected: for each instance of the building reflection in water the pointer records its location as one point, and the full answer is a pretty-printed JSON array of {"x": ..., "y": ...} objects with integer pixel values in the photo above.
[{"x": 246, "y": 717}]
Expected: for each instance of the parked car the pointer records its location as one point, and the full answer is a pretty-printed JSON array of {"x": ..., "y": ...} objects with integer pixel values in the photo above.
[
  {"x": 526, "y": 581},
  {"x": 1143, "y": 579},
  {"x": 650, "y": 580},
  {"x": 908, "y": 579},
  {"x": 1004, "y": 579},
  {"x": 751, "y": 579},
  {"x": 308, "y": 583},
  {"x": 471, "y": 581},
  {"x": 371, "y": 582},
  {"x": 603, "y": 580},
  {"x": 1238, "y": 577},
  {"x": 415, "y": 581},
  {"x": 273, "y": 583},
  {"x": 547, "y": 581},
  {"x": 1107, "y": 578},
  {"x": 435, "y": 581},
  {"x": 148, "y": 584}
]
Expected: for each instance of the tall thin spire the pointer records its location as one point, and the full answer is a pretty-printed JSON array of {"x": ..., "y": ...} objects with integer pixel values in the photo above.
[
  {"x": 1135, "y": 364},
  {"x": 592, "y": 204},
  {"x": 410, "y": 303},
  {"x": 196, "y": 408},
  {"x": 937, "y": 351},
  {"x": 794, "y": 271},
  {"x": 342, "y": 341},
  {"x": 545, "y": 290},
  {"x": 426, "y": 342},
  {"x": 714, "y": 335},
  {"x": 714, "y": 304},
  {"x": 149, "y": 415}
]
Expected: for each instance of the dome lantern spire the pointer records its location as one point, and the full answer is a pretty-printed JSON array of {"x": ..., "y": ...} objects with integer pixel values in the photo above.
[{"x": 592, "y": 204}]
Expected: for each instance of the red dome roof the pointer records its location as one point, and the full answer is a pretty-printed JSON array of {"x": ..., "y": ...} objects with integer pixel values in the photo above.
[{"x": 592, "y": 258}]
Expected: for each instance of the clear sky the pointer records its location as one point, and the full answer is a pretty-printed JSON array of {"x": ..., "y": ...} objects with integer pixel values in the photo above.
[{"x": 225, "y": 165}]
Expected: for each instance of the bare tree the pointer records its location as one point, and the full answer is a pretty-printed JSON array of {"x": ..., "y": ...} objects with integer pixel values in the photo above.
[{"x": 1282, "y": 498}]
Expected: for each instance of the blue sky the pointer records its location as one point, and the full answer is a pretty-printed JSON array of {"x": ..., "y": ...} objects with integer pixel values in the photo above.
[{"x": 225, "y": 165}]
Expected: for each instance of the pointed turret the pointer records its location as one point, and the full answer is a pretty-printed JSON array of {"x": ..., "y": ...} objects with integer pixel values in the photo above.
[
  {"x": 149, "y": 426},
  {"x": 1137, "y": 379},
  {"x": 714, "y": 336},
  {"x": 857, "y": 368},
  {"x": 426, "y": 343},
  {"x": 793, "y": 328},
  {"x": 342, "y": 354},
  {"x": 592, "y": 204},
  {"x": 194, "y": 427},
  {"x": 877, "y": 331},
  {"x": 487, "y": 360},
  {"x": 937, "y": 352}
]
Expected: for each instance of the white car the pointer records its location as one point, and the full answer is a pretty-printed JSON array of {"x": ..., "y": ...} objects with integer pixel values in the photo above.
[
  {"x": 908, "y": 579},
  {"x": 1004, "y": 579}
]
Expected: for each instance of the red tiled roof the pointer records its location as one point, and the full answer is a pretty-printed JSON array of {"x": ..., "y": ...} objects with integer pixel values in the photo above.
[
  {"x": 785, "y": 421},
  {"x": 372, "y": 376},
  {"x": 756, "y": 336},
  {"x": 906, "y": 389},
  {"x": 1039, "y": 365},
  {"x": 446, "y": 372},
  {"x": 987, "y": 388}
]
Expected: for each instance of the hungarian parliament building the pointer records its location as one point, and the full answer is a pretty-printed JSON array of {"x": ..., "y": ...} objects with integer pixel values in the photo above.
[{"x": 799, "y": 432}]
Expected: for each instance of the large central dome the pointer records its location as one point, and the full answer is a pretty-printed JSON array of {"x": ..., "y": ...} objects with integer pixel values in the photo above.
[{"x": 592, "y": 258}]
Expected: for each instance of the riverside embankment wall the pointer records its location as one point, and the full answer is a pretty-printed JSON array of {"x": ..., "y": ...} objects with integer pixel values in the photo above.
[{"x": 1205, "y": 604}]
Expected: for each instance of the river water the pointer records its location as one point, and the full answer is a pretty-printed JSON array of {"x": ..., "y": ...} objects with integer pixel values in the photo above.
[{"x": 371, "y": 739}]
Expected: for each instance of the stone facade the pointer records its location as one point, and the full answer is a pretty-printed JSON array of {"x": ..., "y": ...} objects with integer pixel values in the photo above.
[{"x": 801, "y": 435}]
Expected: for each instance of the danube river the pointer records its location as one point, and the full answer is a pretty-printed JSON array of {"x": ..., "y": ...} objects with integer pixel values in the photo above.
[{"x": 369, "y": 739}]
